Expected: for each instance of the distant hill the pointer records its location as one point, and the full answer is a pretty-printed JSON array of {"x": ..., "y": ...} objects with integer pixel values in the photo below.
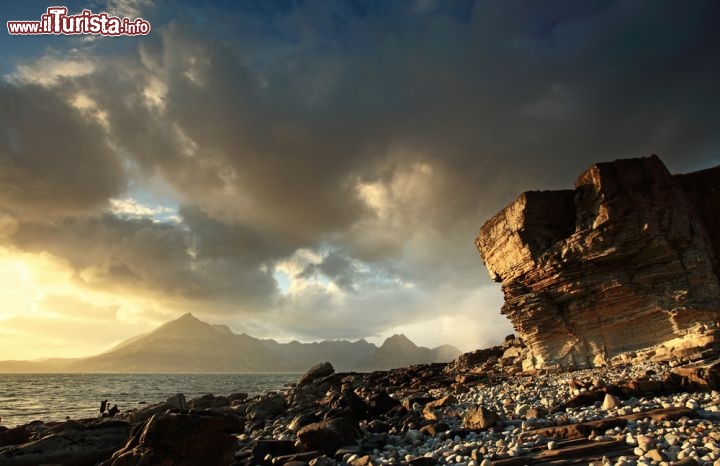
[
  {"x": 190, "y": 345},
  {"x": 39, "y": 366},
  {"x": 187, "y": 344},
  {"x": 400, "y": 351},
  {"x": 342, "y": 354}
]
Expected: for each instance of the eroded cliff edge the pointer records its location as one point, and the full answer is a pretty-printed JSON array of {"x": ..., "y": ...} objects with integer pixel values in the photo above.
[{"x": 627, "y": 260}]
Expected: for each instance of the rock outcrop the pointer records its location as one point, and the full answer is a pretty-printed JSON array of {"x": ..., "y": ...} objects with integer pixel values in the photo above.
[
  {"x": 625, "y": 261},
  {"x": 181, "y": 439},
  {"x": 73, "y": 443}
]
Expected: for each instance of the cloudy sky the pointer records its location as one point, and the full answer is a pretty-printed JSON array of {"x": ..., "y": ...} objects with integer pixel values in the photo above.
[{"x": 314, "y": 169}]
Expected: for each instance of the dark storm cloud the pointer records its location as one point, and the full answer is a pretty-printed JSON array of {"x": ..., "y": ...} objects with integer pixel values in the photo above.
[
  {"x": 52, "y": 160},
  {"x": 386, "y": 133},
  {"x": 162, "y": 260},
  {"x": 484, "y": 93},
  {"x": 335, "y": 266}
]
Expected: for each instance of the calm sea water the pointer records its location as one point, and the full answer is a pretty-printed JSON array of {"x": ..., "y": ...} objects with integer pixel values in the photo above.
[{"x": 52, "y": 397}]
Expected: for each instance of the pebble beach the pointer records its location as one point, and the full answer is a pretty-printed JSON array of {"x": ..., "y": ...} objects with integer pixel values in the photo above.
[{"x": 525, "y": 404}]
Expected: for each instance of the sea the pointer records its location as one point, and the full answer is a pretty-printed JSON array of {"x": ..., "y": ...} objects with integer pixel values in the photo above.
[{"x": 56, "y": 397}]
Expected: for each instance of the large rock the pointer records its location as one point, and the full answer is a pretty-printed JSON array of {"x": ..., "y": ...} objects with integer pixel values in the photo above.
[
  {"x": 480, "y": 417},
  {"x": 177, "y": 402},
  {"x": 176, "y": 439},
  {"x": 73, "y": 443},
  {"x": 207, "y": 402},
  {"x": 268, "y": 406},
  {"x": 146, "y": 412},
  {"x": 14, "y": 436},
  {"x": 627, "y": 260},
  {"x": 316, "y": 372},
  {"x": 379, "y": 402},
  {"x": 313, "y": 385},
  {"x": 702, "y": 374},
  {"x": 329, "y": 435}
]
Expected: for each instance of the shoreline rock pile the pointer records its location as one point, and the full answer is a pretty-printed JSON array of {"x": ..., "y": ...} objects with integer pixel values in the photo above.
[{"x": 480, "y": 410}]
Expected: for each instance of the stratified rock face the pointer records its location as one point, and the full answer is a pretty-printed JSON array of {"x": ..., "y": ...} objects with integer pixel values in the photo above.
[{"x": 625, "y": 261}]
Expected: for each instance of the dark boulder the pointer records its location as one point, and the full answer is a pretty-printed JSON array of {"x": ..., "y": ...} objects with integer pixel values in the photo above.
[
  {"x": 329, "y": 435},
  {"x": 73, "y": 443},
  {"x": 480, "y": 418},
  {"x": 266, "y": 407},
  {"x": 316, "y": 372},
  {"x": 177, "y": 439}
]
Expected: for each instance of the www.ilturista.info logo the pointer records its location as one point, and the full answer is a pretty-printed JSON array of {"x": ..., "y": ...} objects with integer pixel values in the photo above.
[{"x": 57, "y": 21}]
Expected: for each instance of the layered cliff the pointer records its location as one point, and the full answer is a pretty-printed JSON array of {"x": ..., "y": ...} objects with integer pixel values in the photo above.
[{"x": 625, "y": 261}]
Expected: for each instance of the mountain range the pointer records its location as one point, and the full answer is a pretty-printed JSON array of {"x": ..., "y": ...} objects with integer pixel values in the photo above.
[{"x": 190, "y": 345}]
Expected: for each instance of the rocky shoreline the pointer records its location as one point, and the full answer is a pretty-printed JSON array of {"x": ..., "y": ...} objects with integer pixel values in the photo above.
[{"x": 479, "y": 410}]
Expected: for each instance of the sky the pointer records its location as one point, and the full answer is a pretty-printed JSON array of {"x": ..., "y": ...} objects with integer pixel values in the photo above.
[{"x": 316, "y": 170}]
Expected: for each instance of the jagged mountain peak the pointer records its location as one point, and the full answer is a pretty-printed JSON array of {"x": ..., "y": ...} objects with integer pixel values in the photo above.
[
  {"x": 222, "y": 329},
  {"x": 187, "y": 326},
  {"x": 399, "y": 340},
  {"x": 187, "y": 344}
]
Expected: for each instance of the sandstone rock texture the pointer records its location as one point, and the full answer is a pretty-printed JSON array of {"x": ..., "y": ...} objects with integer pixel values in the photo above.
[{"x": 625, "y": 261}]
